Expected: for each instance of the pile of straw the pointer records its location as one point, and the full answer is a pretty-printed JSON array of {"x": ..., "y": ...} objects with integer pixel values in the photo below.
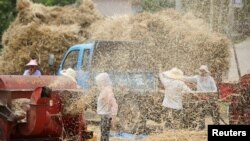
[
  {"x": 20, "y": 107},
  {"x": 169, "y": 39},
  {"x": 74, "y": 102},
  {"x": 39, "y": 30}
]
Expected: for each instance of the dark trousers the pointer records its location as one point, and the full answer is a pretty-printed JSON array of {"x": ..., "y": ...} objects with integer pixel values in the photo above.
[
  {"x": 207, "y": 108},
  {"x": 105, "y": 127},
  {"x": 173, "y": 118},
  {"x": 212, "y": 109}
]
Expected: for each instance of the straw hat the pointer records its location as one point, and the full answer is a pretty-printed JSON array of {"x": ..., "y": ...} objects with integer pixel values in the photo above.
[
  {"x": 69, "y": 73},
  {"x": 174, "y": 73},
  {"x": 32, "y": 63},
  {"x": 205, "y": 68}
]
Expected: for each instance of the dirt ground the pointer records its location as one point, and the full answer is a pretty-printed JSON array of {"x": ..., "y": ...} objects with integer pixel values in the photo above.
[
  {"x": 165, "y": 134},
  {"x": 162, "y": 134}
]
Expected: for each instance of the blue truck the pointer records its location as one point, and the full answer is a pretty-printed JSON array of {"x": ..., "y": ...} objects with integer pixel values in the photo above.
[{"x": 134, "y": 84}]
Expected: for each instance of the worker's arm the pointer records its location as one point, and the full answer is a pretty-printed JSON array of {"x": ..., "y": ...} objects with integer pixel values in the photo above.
[
  {"x": 185, "y": 88},
  {"x": 190, "y": 79},
  {"x": 162, "y": 79},
  {"x": 213, "y": 85}
]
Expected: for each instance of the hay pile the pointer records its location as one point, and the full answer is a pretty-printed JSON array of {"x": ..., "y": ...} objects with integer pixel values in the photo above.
[
  {"x": 169, "y": 39},
  {"x": 74, "y": 102},
  {"x": 39, "y": 30},
  {"x": 19, "y": 107}
]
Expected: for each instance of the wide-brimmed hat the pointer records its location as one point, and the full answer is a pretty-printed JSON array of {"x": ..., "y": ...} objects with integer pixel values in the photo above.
[
  {"x": 174, "y": 73},
  {"x": 32, "y": 63},
  {"x": 205, "y": 68},
  {"x": 69, "y": 73}
]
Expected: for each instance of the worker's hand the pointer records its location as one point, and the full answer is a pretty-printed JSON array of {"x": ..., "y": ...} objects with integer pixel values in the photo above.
[{"x": 191, "y": 85}]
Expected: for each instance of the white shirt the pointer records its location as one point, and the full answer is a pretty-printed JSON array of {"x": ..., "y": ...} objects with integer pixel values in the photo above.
[
  {"x": 106, "y": 103},
  {"x": 204, "y": 83},
  {"x": 173, "y": 92}
]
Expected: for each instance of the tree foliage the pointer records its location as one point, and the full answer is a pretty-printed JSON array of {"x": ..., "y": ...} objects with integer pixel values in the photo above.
[
  {"x": 214, "y": 12},
  {"x": 55, "y": 2},
  {"x": 156, "y": 5},
  {"x": 8, "y": 11},
  {"x": 7, "y": 14}
]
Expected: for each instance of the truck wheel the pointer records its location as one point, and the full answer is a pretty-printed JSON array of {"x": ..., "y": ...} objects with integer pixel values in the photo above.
[{"x": 130, "y": 116}]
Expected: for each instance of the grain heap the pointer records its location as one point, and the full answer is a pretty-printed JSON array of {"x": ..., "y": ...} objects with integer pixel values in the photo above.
[
  {"x": 39, "y": 30},
  {"x": 19, "y": 107},
  {"x": 73, "y": 102},
  {"x": 169, "y": 39}
]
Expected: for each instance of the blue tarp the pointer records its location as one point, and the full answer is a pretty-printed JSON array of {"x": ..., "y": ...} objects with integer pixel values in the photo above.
[{"x": 128, "y": 136}]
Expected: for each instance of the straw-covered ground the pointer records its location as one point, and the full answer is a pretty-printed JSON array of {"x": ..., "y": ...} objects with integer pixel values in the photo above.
[
  {"x": 160, "y": 133},
  {"x": 166, "y": 135}
]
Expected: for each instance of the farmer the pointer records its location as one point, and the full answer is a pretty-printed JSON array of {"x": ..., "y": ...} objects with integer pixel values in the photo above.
[
  {"x": 205, "y": 84},
  {"x": 174, "y": 88},
  {"x": 69, "y": 73},
  {"x": 32, "y": 68},
  {"x": 106, "y": 104},
  {"x": 204, "y": 81}
]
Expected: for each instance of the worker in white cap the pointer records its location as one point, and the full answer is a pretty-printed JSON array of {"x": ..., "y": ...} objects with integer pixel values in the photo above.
[
  {"x": 106, "y": 104},
  {"x": 205, "y": 83}
]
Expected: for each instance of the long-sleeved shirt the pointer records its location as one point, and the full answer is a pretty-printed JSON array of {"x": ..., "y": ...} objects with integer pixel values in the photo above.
[
  {"x": 173, "y": 92},
  {"x": 37, "y": 73},
  {"x": 106, "y": 103},
  {"x": 204, "y": 83}
]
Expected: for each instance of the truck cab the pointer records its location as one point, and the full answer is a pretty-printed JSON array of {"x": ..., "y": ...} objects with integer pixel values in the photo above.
[
  {"x": 88, "y": 59},
  {"x": 79, "y": 58}
]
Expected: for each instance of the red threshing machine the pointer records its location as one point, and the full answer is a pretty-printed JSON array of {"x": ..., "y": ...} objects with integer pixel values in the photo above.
[
  {"x": 44, "y": 118},
  {"x": 238, "y": 96}
]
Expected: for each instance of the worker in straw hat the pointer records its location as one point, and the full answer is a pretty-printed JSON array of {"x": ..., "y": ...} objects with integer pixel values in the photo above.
[
  {"x": 205, "y": 83},
  {"x": 174, "y": 88},
  {"x": 70, "y": 73},
  {"x": 32, "y": 68},
  {"x": 106, "y": 104}
]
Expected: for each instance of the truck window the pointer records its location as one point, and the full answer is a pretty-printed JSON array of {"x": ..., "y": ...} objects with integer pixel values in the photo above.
[
  {"x": 71, "y": 60},
  {"x": 85, "y": 61}
]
